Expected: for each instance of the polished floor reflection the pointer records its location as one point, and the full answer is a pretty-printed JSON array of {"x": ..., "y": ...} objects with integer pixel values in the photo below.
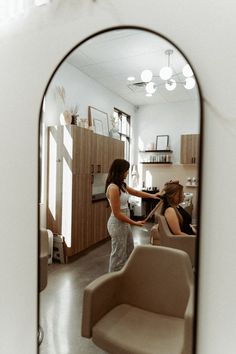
[{"x": 61, "y": 301}]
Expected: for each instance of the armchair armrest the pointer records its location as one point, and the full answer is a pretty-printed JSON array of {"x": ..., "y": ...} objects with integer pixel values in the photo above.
[
  {"x": 154, "y": 235},
  {"x": 43, "y": 259},
  {"x": 99, "y": 298},
  {"x": 185, "y": 243}
]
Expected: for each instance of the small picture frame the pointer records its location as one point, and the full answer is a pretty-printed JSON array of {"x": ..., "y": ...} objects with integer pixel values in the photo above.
[
  {"x": 162, "y": 142},
  {"x": 98, "y": 120}
]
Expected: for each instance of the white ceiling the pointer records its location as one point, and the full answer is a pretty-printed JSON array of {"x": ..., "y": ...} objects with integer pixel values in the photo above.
[{"x": 111, "y": 57}]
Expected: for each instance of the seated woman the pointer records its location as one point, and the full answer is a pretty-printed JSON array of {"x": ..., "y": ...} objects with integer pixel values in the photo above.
[{"x": 178, "y": 219}]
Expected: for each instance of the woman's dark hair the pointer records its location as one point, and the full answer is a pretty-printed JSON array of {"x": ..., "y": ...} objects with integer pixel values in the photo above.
[{"x": 116, "y": 173}]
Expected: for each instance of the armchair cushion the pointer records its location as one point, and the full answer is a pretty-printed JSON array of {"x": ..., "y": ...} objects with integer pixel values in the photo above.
[{"x": 127, "y": 329}]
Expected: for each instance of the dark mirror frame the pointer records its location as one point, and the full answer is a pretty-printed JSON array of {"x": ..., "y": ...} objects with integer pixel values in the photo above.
[{"x": 199, "y": 166}]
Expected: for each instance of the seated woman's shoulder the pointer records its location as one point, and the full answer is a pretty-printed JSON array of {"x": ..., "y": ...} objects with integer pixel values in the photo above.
[{"x": 169, "y": 211}]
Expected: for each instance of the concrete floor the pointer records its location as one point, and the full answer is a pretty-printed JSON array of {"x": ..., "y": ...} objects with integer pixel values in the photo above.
[{"x": 61, "y": 301}]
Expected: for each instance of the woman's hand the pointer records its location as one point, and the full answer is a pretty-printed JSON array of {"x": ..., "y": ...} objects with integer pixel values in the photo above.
[
  {"x": 140, "y": 223},
  {"x": 156, "y": 196}
]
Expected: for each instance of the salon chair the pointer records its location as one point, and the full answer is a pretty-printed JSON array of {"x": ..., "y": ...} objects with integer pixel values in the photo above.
[
  {"x": 43, "y": 270},
  {"x": 145, "y": 308},
  {"x": 161, "y": 235}
]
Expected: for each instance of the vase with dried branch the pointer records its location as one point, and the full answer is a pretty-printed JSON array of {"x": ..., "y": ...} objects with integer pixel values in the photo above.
[
  {"x": 114, "y": 131},
  {"x": 69, "y": 115},
  {"x": 74, "y": 110}
]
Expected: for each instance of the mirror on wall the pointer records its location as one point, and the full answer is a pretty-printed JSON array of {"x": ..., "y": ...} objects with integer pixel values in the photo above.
[{"x": 124, "y": 93}]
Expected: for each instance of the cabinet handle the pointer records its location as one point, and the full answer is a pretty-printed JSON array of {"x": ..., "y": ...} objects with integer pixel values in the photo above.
[
  {"x": 58, "y": 160},
  {"x": 99, "y": 167}
]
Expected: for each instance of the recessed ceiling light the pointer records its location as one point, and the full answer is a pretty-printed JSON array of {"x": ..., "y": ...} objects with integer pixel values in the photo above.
[
  {"x": 131, "y": 78},
  {"x": 149, "y": 94}
]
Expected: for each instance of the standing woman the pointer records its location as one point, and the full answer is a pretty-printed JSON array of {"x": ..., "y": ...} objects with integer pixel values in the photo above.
[{"x": 119, "y": 222}]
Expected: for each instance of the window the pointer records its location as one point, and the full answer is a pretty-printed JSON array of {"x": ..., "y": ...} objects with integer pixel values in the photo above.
[{"x": 123, "y": 121}]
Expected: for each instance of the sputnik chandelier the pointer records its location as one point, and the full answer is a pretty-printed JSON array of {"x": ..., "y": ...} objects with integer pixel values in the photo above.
[{"x": 166, "y": 77}]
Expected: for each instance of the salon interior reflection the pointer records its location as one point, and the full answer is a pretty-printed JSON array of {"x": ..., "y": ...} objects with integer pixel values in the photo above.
[{"x": 125, "y": 93}]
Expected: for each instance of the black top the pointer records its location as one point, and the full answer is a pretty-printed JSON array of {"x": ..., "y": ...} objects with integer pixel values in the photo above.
[{"x": 187, "y": 220}]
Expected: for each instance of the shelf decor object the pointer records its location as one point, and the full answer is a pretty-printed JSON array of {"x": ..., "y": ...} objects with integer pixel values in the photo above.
[
  {"x": 162, "y": 142},
  {"x": 99, "y": 121}
]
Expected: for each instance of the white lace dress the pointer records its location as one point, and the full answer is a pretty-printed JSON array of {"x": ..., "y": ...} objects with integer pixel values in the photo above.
[{"x": 121, "y": 235}]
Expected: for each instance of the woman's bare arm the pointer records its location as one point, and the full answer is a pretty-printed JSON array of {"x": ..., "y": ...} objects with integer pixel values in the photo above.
[
  {"x": 114, "y": 197},
  {"x": 142, "y": 194}
]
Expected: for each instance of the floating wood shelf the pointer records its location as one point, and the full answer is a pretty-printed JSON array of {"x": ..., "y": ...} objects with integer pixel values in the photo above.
[
  {"x": 157, "y": 151},
  {"x": 156, "y": 163}
]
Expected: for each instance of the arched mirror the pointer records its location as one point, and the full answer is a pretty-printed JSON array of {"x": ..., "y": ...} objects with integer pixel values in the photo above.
[{"x": 124, "y": 93}]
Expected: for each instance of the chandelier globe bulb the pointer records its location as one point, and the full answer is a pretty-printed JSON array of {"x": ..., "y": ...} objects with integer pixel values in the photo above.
[
  {"x": 189, "y": 83},
  {"x": 187, "y": 71},
  {"x": 151, "y": 87},
  {"x": 146, "y": 75},
  {"x": 166, "y": 73},
  {"x": 170, "y": 85}
]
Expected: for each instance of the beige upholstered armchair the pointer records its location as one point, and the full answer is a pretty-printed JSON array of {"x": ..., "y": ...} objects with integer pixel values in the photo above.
[
  {"x": 161, "y": 235},
  {"x": 145, "y": 308},
  {"x": 43, "y": 270}
]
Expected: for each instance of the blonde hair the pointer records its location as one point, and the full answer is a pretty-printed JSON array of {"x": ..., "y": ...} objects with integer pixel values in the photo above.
[{"x": 167, "y": 198}]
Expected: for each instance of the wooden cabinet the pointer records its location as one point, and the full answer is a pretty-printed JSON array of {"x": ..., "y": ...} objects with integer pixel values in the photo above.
[
  {"x": 100, "y": 214},
  {"x": 189, "y": 149},
  {"x": 69, "y": 185},
  {"x": 82, "y": 149},
  {"x": 104, "y": 151},
  {"x": 74, "y": 155},
  {"x": 115, "y": 150}
]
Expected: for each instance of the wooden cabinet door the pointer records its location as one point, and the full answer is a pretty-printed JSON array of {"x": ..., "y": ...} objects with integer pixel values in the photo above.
[
  {"x": 105, "y": 154},
  {"x": 115, "y": 151},
  {"x": 104, "y": 151},
  {"x": 54, "y": 179},
  {"x": 100, "y": 215},
  {"x": 82, "y": 213},
  {"x": 97, "y": 153},
  {"x": 195, "y": 147},
  {"x": 119, "y": 149},
  {"x": 82, "y": 150},
  {"x": 189, "y": 148}
]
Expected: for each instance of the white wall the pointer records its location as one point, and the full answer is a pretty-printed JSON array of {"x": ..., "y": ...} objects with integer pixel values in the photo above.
[
  {"x": 171, "y": 119},
  {"x": 83, "y": 91},
  {"x": 30, "y": 49}
]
